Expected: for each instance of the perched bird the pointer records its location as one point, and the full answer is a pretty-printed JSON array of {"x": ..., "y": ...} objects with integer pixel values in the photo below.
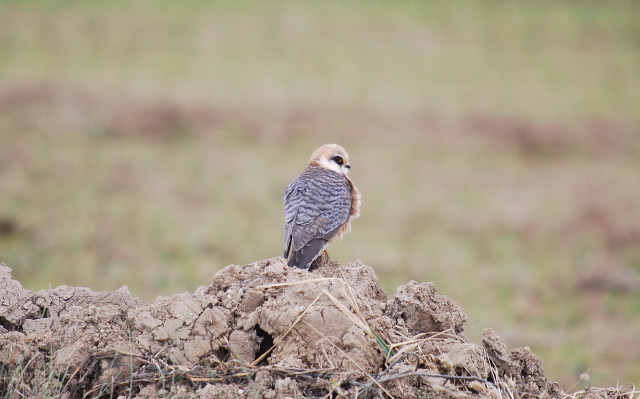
[{"x": 319, "y": 206}]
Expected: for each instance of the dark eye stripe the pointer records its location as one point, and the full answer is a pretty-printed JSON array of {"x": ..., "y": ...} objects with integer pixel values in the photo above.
[{"x": 338, "y": 160}]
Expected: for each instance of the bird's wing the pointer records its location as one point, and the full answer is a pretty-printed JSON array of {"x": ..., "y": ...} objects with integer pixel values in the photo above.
[
  {"x": 293, "y": 197},
  {"x": 317, "y": 203}
]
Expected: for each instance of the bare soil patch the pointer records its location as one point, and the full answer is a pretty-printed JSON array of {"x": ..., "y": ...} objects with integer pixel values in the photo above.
[{"x": 258, "y": 330}]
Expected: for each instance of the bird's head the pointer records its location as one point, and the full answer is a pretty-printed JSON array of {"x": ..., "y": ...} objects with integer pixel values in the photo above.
[{"x": 332, "y": 157}]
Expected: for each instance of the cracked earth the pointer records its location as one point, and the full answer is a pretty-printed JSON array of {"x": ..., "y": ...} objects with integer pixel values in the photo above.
[{"x": 258, "y": 330}]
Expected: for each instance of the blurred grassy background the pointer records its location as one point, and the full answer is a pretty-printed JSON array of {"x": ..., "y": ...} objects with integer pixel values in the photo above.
[{"x": 496, "y": 144}]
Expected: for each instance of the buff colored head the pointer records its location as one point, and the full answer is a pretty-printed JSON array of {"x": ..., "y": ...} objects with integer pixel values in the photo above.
[{"x": 333, "y": 157}]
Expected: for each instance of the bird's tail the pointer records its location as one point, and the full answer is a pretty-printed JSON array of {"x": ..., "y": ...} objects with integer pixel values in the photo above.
[{"x": 306, "y": 255}]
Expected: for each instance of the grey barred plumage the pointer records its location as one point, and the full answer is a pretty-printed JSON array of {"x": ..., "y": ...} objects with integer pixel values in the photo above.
[{"x": 319, "y": 205}]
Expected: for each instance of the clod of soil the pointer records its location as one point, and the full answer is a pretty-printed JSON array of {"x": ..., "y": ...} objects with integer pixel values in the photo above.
[{"x": 258, "y": 330}]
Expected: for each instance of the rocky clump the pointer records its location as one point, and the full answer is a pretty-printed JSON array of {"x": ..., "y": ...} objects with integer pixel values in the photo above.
[{"x": 258, "y": 330}]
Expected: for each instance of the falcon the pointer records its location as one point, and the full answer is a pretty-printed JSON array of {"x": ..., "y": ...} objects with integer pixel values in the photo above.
[{"x": 319, "y": 206}]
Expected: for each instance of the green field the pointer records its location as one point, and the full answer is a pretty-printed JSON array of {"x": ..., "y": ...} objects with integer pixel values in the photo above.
[{"x": 496, "y": 145}]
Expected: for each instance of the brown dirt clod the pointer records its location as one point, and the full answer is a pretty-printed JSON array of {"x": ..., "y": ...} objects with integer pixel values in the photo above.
[{"x": 261, "y": 329}]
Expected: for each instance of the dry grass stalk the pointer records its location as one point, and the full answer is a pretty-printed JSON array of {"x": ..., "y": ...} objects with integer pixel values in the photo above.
[
  {"x": 626, "y": 391},
  {"x": 289, "y": 284}
]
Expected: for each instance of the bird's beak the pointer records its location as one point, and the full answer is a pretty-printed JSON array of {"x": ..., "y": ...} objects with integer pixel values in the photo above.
[{"x": 347, "y": 165}]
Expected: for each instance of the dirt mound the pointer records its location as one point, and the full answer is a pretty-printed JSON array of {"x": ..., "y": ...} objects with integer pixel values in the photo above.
[{"x": 258, "y": 330}]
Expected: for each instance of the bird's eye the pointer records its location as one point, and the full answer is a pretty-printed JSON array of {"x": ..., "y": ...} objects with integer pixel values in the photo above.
[{"x": 338, "y": 159}]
